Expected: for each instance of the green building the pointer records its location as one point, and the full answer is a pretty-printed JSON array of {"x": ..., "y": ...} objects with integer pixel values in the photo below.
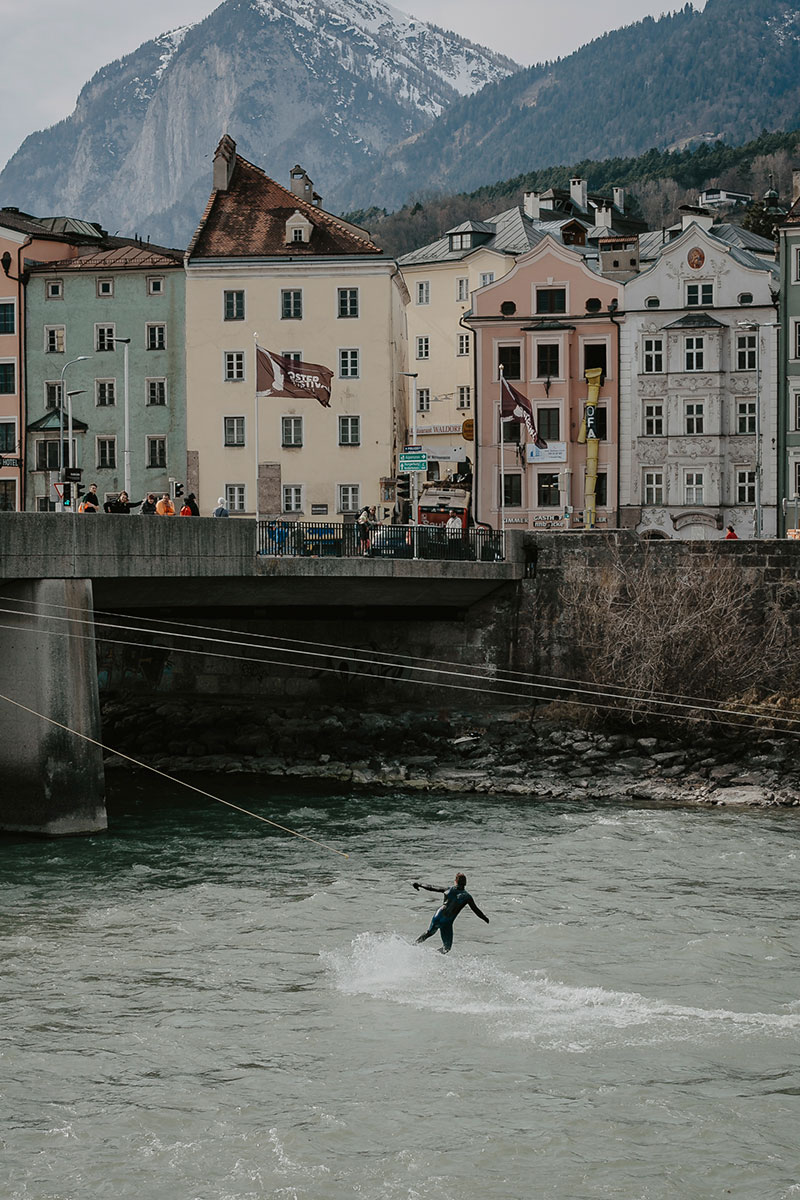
[
  {"x": 789, "y": 371},
  {"x": 104, "y": 358}
]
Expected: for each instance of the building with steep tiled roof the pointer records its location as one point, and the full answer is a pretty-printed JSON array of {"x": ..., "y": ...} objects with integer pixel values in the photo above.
[{"x": 268, "y": 263}]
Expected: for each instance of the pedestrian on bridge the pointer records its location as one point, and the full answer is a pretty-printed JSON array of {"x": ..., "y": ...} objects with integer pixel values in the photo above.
[{"x": 165, "y": 507}]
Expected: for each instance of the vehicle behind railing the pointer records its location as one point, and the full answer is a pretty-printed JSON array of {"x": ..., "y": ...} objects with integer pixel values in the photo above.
[{"x": 327, "y": 539}]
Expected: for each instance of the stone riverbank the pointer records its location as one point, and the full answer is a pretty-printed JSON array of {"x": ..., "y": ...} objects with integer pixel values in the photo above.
[{"x": 506, "y": 753}]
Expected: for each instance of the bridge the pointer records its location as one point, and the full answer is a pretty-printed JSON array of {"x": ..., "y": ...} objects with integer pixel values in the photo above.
[{"x": 53, "y": 564}]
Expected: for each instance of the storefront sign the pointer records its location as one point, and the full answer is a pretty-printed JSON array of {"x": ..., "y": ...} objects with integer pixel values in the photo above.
[{"x": 555, "y": 452}]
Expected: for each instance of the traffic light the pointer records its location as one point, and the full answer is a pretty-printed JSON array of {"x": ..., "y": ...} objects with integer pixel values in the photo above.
[
  {"x": 67, "y": 495},
  {"x": 403, "y": 487},
  {"x": 78, "y": 490},
  {"x": 178, "y": 490},
  {"x": 175, "y": 489}
]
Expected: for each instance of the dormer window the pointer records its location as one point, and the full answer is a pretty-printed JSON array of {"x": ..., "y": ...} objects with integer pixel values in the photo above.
[
  {"x": 460, "y": 241},
  {"x": 298, "y": 229}
]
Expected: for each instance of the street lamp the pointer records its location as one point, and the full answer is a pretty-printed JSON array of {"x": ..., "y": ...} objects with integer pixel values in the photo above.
[
  {"x": 78, "y": 392},
  {"x": 80, "y": 358},
  {"x": 414, "y": 493},
  {"x": 126, "y": 453}
]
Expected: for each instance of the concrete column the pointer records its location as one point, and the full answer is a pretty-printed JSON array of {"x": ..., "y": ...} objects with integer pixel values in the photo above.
[{"x": 52, "y": 782}]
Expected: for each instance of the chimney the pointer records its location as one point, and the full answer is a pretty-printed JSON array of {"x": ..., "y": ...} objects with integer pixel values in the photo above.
[
  {"x": 224, "y": 162},
  {"x": 303, "y": 187},
  {"x": 532, "y": 205},
  {"x": 619, "y": 198},
  {"x": 692, "y": 215},
  {"x": 795, "y": 185},
  {"x": 579, "y": 193},
  {"x": 602, "y": 216}
]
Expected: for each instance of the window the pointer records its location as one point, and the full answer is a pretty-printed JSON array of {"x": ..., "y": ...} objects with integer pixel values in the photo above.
[
  {"x": 423, "y": 347},
  {"x": 8, "y": 378},
  {"x": 547, "y": 493},
  {"x": 55, "y": 339},
  {"x": 156, "y": 452},
  {"x": 44, "y": 504},
  {"x": 105, "y": 288},
  {"x": 745, "y": 486},
  {"x": 155, "y": 285},
  {"x": 512, "y": 432},
  {"x": 233, "y": 428},
  {"x": 694, "y": 348},
  {"x": 653, "y": 355},
  {"x": 156, "y": 392},
  {"x": 746, "y": 351},
  {"x": 463, "y": 344},
  {"x": 512, "y": 491},
  {"x": 462, "y": 289},
  {"x": 106, "y": 452},
  {"x": 291, "y": 304},
  {"x": 348, "y": 302},
  {"x": 595, "y": 354},
  {"x": 653, "y": 424},
  {"x": 547, "y": 360},
  {"x": 294, "y": 355},
  {"x": 349, "y": 431},
  {"x": 601, "y": 490},
  {"x": 652, "y": 302},
  {"x": 460, "y": 241},
  {"x": 348, "y": 364},
  {"x": 510, "y": 359},
  {"x": 746, "y": 416},
  {"x": 349, "y": 497},
  {"x": 234, "y": 366},
  {"x": 7, "y": 317},
  {"x": 423, "y": 292},
  {"x": 52, "y": 394},
  {"x": 54, "y": 289},
  {"x": 47, "y": 455},
  {"x": 292, "y": 497},
  {"x": 693, "y": 487},
  {"x": 8, "y": 496},
  {"x": 464, "y": 397},
  {"x": 601, "y": 423},
  {"x": 797, "y": 410},
  {"x": 653, "y": 487},
  {"x": 291, "y": 431},
  {"x": 423, "y": 400},
  {"x": 234, "y": 497},
  {"x": 797, "y": 339},
  {"x": 8, "y": 437},
  {"x": 104, "y": 337},
  {"x": 693, "y": 417},
  {"x": 551, "y": 300},
  {"x": 156, "y": 337},
  {"x": 797, "y": 479},
  {"x": 745, "y": 297},
  {"x": 698, "y": 294},
  {"x": 549, "y": 423},
  {"x": 105, "y": 392},
  {"x": 234, "y": 306}
]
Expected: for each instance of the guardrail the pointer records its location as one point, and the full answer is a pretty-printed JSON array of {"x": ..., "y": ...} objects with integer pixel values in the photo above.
[{"x": 325, "y": 539}]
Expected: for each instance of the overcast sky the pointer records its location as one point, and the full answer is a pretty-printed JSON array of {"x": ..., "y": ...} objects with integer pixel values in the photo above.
[{"x": 52, "y": 47}]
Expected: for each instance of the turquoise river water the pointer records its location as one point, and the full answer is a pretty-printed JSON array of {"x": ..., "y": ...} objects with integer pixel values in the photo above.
[{"x": 196, "y": 1007}]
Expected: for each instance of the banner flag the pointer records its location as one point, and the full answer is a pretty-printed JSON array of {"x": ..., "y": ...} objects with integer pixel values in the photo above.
[
  {"x": 280, "y": 376},
  {"x": 516, "y": 407}
]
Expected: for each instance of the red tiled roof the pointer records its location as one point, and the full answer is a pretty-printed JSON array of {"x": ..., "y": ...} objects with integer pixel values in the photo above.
[
  {"x": 793, "y": 215},
  {"x": 249, "y": 219},
  {"x": 121, "y": 258}
]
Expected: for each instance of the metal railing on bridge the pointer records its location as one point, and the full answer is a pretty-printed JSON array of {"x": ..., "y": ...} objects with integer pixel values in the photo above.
[{"x": 325, "y": 539}]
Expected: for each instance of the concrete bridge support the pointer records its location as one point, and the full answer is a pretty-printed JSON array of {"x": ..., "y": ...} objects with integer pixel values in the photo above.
[{"x": 52, "y": 782}]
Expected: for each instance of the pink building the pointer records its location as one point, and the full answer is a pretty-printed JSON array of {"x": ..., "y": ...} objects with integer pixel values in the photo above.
[
  {"x": 22, "y": 237},
  {"x": 542, "y": 326}
]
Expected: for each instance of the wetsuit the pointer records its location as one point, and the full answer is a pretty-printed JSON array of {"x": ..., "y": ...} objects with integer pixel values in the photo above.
[{"x": 454, "y": 900}]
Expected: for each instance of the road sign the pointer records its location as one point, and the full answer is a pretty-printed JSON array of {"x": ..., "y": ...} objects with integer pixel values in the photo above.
[
  {"x": 58, "y": 488},
  {"x": 411, "y": 449},
  {"x": 73, "y": 474},
  {"x": 468, "y": 429},
  {"x": 416, "y": 461}
]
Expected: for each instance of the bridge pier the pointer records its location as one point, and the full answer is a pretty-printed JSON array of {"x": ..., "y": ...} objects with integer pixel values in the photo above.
[{"x": 52, "y": 782}]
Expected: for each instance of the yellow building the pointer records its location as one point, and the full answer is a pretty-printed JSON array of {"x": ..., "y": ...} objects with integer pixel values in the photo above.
[{"x": 268, "y": 264}]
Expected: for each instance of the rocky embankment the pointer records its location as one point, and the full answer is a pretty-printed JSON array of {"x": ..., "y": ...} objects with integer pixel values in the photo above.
[{"x": 502, "y": 753}]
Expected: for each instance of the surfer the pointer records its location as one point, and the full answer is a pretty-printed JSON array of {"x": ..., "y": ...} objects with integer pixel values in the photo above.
[{"x": 455, "y": 898}]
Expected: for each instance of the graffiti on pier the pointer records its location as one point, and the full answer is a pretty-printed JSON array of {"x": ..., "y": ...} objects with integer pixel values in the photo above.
[{"x": 132, "y": 667}]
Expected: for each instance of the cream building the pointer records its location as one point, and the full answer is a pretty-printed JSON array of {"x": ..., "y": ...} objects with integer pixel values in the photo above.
[{"x": 268, "y": 264}]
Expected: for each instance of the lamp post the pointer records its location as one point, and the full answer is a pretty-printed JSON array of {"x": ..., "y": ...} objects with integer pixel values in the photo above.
[
  {"x": 414, "y": 491},
  {"x": 126, "y": 452},
  {"x": 80, "y": 358},
  {"x": 78, "y": 392}
]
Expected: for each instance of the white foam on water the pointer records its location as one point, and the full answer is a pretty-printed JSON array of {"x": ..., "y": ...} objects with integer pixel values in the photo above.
[{"x": 536, "y": 1008}]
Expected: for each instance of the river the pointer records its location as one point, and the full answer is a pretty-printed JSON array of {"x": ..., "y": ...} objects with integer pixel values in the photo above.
[{"x": 198, "y": 1007}]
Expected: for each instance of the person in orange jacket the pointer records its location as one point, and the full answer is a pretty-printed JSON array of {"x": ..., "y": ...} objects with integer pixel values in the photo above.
[{"x": 165, "y": 507}]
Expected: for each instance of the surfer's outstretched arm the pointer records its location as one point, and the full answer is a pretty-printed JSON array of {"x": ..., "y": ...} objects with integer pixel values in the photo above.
[
  {"x": 477, "y": 911},
  {"x": 428, "y": 887}
]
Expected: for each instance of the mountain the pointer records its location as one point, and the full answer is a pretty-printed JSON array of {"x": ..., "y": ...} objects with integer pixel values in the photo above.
[
  {"x": 727, "y": 72},
  {"x": 329, "y": 83}
]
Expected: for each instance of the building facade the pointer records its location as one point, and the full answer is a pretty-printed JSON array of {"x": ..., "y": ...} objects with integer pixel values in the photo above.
[
  {"x": 698, "y": 423},
  {"x": 543, "y": 326},
  {"x": 789, "y": 367},
  {"x": 268, "y": 265},
  {"x": 105, "y": 343}
]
